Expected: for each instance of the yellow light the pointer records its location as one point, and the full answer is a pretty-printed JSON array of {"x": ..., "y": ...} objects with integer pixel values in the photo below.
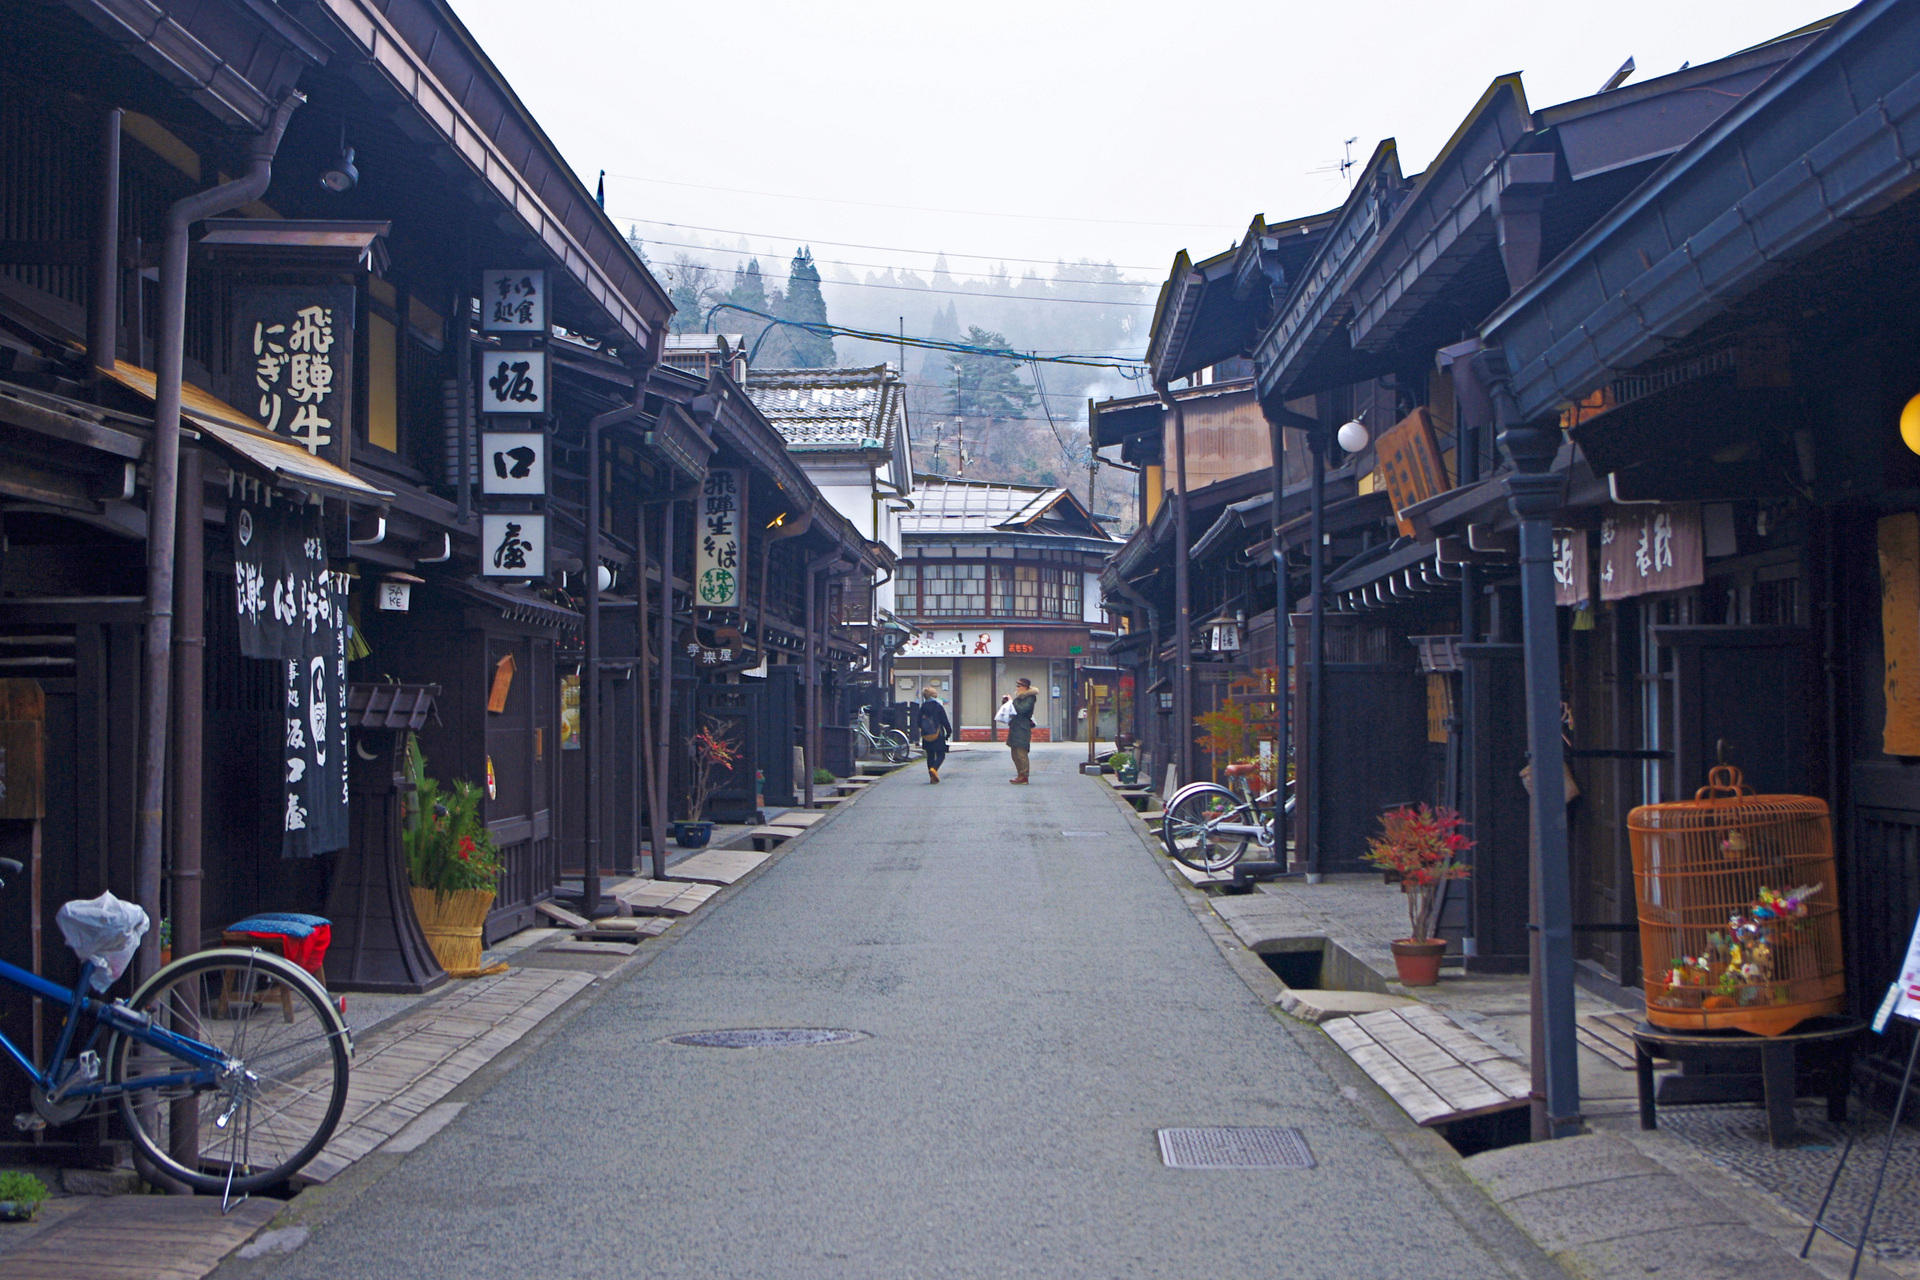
[{"x": 1910, "y": 424}]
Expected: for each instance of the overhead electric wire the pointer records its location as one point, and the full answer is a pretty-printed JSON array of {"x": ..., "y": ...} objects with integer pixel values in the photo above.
[
  {"x": 920, "y": 208},
  {"x": 849, "y": 244},
  {"x": 890, "y": 267},
  {"x": 1131, "y": 368}
]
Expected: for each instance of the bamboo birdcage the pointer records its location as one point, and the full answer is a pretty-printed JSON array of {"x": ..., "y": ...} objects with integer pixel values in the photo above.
[{"x": 1739, "y": 909}]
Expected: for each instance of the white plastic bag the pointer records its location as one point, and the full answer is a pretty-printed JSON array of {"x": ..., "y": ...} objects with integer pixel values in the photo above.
[
  {"x": 1005, "y": 714},
  {"x": 103, "y": 929}
]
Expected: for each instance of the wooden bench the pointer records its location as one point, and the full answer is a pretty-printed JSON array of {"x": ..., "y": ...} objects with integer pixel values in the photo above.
[{"x": 1437, "y": 1070}]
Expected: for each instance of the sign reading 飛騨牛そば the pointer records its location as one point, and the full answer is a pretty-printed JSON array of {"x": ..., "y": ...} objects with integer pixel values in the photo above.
[
  {"x": 513, "y": 462},
  {"x": 513, "y": 382},
  {"x": 293, "y": 362},
  {"x": 722, "y": 511},
  {"x": 513, "y": 301},
  {"x": 513, "y": 545}
]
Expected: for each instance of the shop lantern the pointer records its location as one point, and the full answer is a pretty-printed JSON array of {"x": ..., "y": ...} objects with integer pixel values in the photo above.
[{"x": 1739, "y": 909}]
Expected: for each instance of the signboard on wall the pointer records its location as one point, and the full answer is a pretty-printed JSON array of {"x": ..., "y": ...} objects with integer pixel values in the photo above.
[
  {"x": 292, "y": 361},
  {"x": 513, "y": 462},
  {"x": 513, "y": 301},
  {"x": 513, "y": 382},
  {"x": 513, "y": 545},
  {"x": 1045, "y": 642},
  {"x": 719, "y": 523},
  {"x": 1408, "y": 460},
  {"x": 1572, "y": 572},
  {"x": 956, "y": 642},
  {"x": 1644, "y": 549}
]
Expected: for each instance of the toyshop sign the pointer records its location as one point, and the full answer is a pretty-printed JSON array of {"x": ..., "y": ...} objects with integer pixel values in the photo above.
[
  {"x": 956, "y": 642},
  {"x": 290, "y": 608}
]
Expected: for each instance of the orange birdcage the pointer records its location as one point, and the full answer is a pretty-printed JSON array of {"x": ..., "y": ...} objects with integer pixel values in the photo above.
[{"x": 1739, "y": 909}]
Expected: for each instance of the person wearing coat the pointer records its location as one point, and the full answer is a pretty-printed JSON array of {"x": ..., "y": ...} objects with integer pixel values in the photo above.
[
  {"x": 1020, "y": 727},
  {"x": 935, "y": 732}
]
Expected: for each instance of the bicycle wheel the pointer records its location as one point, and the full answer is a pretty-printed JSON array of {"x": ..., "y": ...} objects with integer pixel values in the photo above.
[
  {"x": 274, "y": 1106},
  {"x": 1190, "y": 827},
  {"x": 897, "y": 747}
]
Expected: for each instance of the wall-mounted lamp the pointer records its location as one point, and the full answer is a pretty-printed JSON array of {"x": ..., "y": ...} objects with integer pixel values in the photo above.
[
  {"x": 1354, "y": 436},
  {"x": 342, "y": 176},
  {"x": 1166, "y": 702},
  {"x": 1910, "y": 424}
]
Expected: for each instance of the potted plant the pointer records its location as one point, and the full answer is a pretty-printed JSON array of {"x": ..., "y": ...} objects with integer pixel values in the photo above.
[
  {"x": 452, "y": 864},
  {"x": 21, "y": 1195},
  {"x": 1421, "y": 845},
  {"x": 713, "y": 751},
  {"x": 1125, "y": 767}
]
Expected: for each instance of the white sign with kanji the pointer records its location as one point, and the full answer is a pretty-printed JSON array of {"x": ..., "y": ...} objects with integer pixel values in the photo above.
[
  {"x": 513, "y": 546},
  {"x": 513, "y": 382},
  {"x": 513, "y": 301},
  {"x": 722, "y": 508},
  {"x": 513, "y": 462},
  {"x": 1907, "y": 1003}
]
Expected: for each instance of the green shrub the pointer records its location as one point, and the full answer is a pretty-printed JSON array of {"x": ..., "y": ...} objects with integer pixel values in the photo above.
[
  {"x": 822, "y": 777},
  {"x": 1120, "y": 760},
  {"x": 22, "y": 1187}
]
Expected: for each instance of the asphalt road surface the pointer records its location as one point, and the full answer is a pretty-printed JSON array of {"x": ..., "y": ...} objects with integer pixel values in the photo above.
[{"x": 1037, "y": 1005}]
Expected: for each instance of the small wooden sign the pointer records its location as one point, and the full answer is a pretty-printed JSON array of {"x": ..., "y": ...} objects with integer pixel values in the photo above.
[
  {"x": 502, "y": 685},
  {"x": 23, "y": 755},
  {"x": 1644, "y": 549},
  {"x": 1409, "y": 464},
  {"x": 1572, "y": 573}
]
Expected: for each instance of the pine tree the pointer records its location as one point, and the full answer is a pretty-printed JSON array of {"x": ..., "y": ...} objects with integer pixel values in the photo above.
[
  {"x": 988, "y": 387},
  {"x": 804, "y": 302}
]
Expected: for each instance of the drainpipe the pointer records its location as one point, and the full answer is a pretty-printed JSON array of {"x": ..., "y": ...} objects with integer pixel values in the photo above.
[
  {"x": 590, "y": 676},
  {"x": 103, "y": 328},
  {"x": 1316, "y": 653},
  {"x": 663, "y": 729},
  {"x": 163, "y": 506},
  {"x": 1125, "y": 588},
  {"x": 1534, "y": 494},
  {"x": 1182, "y": 594},
  {"x": 812, "y": 735}
]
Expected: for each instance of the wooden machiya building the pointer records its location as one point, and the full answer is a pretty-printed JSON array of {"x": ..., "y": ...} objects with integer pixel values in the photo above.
[
  {"x": 1002, "y": 581},
  {"x": 400, "y": 380},
  {"x": 1395, "y": 559}
]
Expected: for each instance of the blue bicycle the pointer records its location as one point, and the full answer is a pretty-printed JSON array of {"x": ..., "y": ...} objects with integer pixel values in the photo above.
[{"x": 228, "y": 1067}]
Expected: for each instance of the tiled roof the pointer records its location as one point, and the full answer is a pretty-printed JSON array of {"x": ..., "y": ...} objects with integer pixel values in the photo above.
[
  {"x": 977, "y": 506},
  {"x": 831, "y": 408}
]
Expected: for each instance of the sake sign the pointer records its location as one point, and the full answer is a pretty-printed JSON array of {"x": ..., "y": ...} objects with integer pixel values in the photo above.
[
  {"x": 292, "y": 361},
  {"x": 722, "y": 513}
]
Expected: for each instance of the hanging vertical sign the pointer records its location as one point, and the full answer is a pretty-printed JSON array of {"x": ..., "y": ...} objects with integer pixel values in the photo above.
[
  {"x": 1571, "y": 577},
  {"x": 513, "y": 462},
  {"x": 1410, "y": 466},
  {"x": 1645, "y": 549},
  {"x": 513, "y": 382},
  {"x": 513, "y": 301},
  {"x": 290, "y": 608},
  {"x": 292, "y": 361},
  {"x": 513, "y": 545},
  {"x": 722, "y": 513}
]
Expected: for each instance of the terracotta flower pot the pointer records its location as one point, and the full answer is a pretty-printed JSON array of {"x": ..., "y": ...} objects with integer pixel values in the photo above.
[{"x": 1419, "y": 962}]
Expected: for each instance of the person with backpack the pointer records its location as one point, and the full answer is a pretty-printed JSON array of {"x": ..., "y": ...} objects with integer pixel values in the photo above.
[{"x": 935, "y": 732}]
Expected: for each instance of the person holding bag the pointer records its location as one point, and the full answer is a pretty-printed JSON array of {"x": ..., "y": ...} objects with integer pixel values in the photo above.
[
  {"x": 1020, "y": 727},
  {"x": 935, "y": 731},
  {"x": 1005, "y": 713}
]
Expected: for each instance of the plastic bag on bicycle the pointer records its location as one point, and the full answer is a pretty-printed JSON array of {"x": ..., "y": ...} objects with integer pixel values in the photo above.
[{"x": 106, "y": 930}]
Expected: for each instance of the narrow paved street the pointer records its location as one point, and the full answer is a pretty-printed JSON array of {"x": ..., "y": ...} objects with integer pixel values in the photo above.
[{"x": 1038, "y": 1005}]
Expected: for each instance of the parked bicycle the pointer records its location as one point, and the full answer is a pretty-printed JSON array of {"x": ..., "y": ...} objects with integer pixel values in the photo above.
[
  {"x": 228, "y": 1067},
  {"x": 882, "y": 743},
  {"x": 1209, "y": 827}
]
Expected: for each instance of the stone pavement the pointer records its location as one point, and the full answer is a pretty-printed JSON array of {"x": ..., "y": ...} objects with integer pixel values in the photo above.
[{"x": 1034, "y": 1007}]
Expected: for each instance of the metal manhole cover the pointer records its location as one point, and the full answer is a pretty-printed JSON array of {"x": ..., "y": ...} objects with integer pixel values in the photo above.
[
  {"x": 766, "y": 1037},
  {"x": 1247, "y": 1148}
]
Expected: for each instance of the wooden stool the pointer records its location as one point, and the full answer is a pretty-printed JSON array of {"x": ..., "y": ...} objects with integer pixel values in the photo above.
[{"x": 1818, "y": 1053}]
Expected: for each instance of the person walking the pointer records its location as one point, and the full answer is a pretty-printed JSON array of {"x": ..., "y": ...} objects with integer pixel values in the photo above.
[
  {"x": 1020, "y": 727},
  {"x": 935, "y": 732}
]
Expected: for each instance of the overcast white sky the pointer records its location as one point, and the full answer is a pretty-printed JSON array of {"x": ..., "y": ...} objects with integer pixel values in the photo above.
[{"x": 1117, "y": 130}]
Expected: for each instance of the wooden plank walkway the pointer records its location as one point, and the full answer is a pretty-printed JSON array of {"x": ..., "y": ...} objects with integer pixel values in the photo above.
[
  {"x": 407, "y": 1067},
  {"x": 717, "y": 866},
  {"x": 796, "y": 818},
  {"x": 138, "y": 1238},
  {"x": 1435, "y": 1069},
  {"x": 667, "y": 897}
]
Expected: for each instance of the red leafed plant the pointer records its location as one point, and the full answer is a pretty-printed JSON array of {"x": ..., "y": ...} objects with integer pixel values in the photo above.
[
  {"x": 1423, "y": 845},
  {"x": 714, "y": 755}
]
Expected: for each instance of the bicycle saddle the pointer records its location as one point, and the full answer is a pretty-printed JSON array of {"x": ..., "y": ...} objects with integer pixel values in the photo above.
[{"x": 1242, "y": 770}]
